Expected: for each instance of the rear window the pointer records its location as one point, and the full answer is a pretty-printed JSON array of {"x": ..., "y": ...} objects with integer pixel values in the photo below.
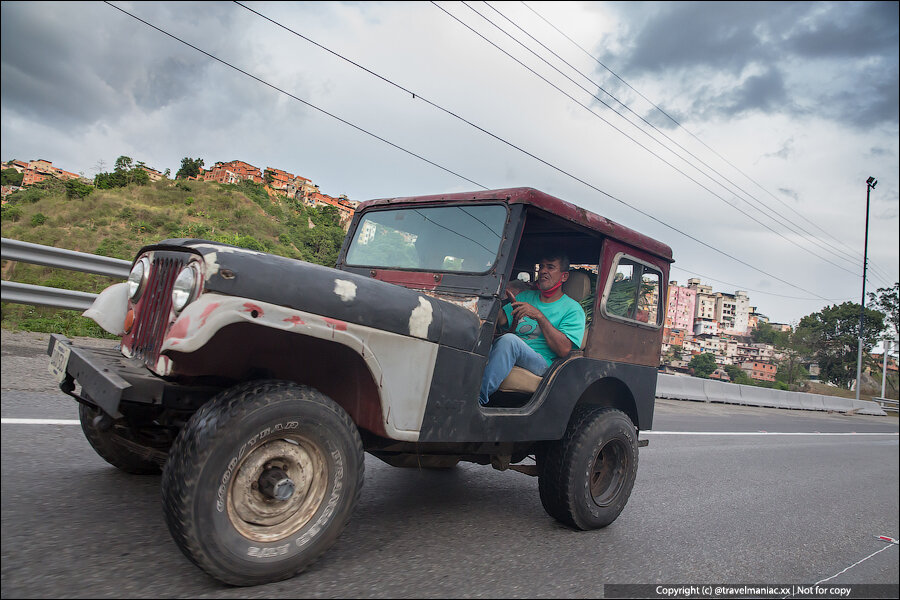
[{"x": 633, "y": 292}]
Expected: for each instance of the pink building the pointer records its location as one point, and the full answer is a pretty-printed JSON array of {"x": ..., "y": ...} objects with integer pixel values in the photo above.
[{"x": 680, "y": 307}]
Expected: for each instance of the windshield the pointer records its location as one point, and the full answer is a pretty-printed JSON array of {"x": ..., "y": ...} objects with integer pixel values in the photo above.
[{"x": 446, "y": 238}]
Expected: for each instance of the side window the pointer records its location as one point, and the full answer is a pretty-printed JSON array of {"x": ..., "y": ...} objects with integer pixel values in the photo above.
[{"x": 633, "y": 292}]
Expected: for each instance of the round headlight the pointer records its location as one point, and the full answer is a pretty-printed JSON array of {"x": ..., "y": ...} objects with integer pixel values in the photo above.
[
  {"x": 185, "y": 287},
  {"x": 137, "y": 277}
]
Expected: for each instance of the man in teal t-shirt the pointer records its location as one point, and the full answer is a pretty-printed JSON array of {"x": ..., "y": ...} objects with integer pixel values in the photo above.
[{"x": 546, "y": 324}]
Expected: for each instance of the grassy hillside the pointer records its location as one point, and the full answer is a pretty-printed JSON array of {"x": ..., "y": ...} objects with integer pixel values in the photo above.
[{"x": 118, "y": 222}]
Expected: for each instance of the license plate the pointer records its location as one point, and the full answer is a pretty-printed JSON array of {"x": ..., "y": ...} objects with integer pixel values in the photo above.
[{"x": 58, "y": 361}]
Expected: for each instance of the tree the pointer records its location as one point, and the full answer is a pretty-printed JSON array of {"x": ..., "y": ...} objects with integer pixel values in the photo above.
[
  {"x": 887, "y": 300},
  {"x": 123, "y": 164},
  {"x": 738, "y": 375},
  {"x": 140, "y": 176},
  {"x": 124, "y": 173},
  {"x": 12, "y": 177},
  {"x": 703, "y": 365},
  {"x": 791, "y": 373},
  {"x": 832, "y": 335},
  {"x": 796, "y": 347},
  {"x": 764, "y": 334},
  {"x": 75, "y": 188},
  {"x": 190, "y": 167}
]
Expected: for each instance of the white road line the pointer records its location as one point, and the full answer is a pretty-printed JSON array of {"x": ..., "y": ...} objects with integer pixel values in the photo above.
[
  {"x": 6, "y": 421},
  {"x": 854, "y": 564},
  {"x": 810, "y": 433},
  {"x": 12, "y": 421}
]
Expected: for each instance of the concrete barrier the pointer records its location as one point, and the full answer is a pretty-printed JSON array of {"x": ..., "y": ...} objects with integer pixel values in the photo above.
[
  {"x": 681, "y": 387},
  {"x": 715, "y": 391},
  {"x": 811, "y": 401}
]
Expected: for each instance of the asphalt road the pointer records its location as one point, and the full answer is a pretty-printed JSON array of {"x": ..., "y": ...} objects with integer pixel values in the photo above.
[{"x": 708, "y": 506}]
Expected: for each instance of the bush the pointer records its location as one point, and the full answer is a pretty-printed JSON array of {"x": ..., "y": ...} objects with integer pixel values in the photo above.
[
  {"x": 38, "y": 219},
  {"x": 242, "y": 241},
  {"x": 115, "y": 248},
  {"x": 11, "y": 213},
  {"x": 703, "y": 365},
  {"x": 75, "y": 188}
]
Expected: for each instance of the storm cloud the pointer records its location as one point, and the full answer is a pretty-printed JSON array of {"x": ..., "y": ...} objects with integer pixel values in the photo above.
[
  {"x": 799, "y": 98},
  {"x": 787, "y": 57}
]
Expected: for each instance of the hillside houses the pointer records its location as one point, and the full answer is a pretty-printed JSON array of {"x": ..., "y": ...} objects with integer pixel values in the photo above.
[
  {"x": 699, "y": 320},
  {"x": 277, "y": 181},
  {"x": 280, "y": 183}
]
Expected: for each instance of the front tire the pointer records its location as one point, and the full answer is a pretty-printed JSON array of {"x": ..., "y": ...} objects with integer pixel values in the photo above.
[
  {"x": 261, "y": 481},
  {"x": 586, "y": 478}
]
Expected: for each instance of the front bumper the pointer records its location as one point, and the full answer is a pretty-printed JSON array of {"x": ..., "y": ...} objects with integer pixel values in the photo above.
[{"x": 108, "y": 379}]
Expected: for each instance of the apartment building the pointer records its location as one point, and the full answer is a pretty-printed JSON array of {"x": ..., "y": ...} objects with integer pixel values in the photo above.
[
  {"x": 341, "y": 203},
  {"x": 754, "y": 318},
  {"x": 733, "y": 312},
  {"x": 233, "y": 171},
  {"x": 680, "y": 306},
  {"x": 706, "y": 327},
  {"x": 674, "y": 337},
  {"x": 152, "y": 173},
  {"x": 705, "y": 303},
  {"x": 761, "y": 371},
  {"x": 40, "y": 170}
]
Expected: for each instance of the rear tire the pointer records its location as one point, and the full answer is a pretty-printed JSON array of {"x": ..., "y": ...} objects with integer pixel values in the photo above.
[
  {"x": 220, "y": 509},
  {"x": 586, "y": 478},
  {"x": 110, "y": 446}
]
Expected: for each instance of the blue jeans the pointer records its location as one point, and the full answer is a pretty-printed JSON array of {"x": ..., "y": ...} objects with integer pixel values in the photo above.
[{"x": 507, "y": 352}]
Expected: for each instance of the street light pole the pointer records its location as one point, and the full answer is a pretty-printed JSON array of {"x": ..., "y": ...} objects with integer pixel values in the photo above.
[
  {"x": 870, "y": 184},
  {"x": 887, "y": 344}
]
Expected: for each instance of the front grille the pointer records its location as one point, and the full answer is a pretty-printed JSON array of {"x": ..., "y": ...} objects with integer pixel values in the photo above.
[{"x": 154, "y": 308}]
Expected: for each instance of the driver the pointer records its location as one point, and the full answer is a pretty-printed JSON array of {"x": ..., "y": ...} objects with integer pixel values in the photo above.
[{"x": 546, "y": 324}]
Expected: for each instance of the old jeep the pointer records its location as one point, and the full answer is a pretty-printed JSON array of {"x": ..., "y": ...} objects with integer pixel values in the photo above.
[{"x": 256, "y": 382}]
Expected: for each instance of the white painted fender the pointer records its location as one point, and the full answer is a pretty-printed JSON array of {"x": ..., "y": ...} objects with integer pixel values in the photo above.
[
  {"x": 401, "y": 366},
  {"x": 109, "y": 309}
]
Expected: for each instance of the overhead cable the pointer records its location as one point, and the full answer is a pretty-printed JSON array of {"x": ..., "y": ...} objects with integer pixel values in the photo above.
[{"x": 552, "y": 166}]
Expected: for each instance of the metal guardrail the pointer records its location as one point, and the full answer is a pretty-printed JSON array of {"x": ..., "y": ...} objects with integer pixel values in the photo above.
[
  {"x": 887, "y": 405},
  {"x": 48, "y": 256}
]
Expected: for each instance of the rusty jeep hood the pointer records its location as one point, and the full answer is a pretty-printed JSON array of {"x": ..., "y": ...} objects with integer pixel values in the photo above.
[{"x": 328, "y": 292}]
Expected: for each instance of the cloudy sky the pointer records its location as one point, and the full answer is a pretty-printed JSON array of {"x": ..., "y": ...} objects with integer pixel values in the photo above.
[{"x": 741, "y": 134}]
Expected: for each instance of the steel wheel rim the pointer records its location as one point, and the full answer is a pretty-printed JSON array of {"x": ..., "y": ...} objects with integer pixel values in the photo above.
[
  {"x": 263, "y": 519},
  {"x": 608, "y": 472}
]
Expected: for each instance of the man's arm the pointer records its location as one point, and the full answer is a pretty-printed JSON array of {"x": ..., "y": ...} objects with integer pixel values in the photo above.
[{"x": 556, "y": 339}]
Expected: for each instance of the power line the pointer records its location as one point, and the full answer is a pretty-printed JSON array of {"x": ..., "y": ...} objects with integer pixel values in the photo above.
[
  {"x": 321, "y": 110},
  {"x": 557, "y": 88},
  {"x": 747, "y": 194},
  {"x": 690, "y": 271},
  {"x": 856, "y": 253},
  {"x": 418, "y": 96},
  {"x": 560, "y": 170}
]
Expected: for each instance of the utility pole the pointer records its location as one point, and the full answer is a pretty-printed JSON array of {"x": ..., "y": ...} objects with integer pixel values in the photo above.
[
  {"x": 870, "y": 185},
  {"x": 887, "y": 345}
]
